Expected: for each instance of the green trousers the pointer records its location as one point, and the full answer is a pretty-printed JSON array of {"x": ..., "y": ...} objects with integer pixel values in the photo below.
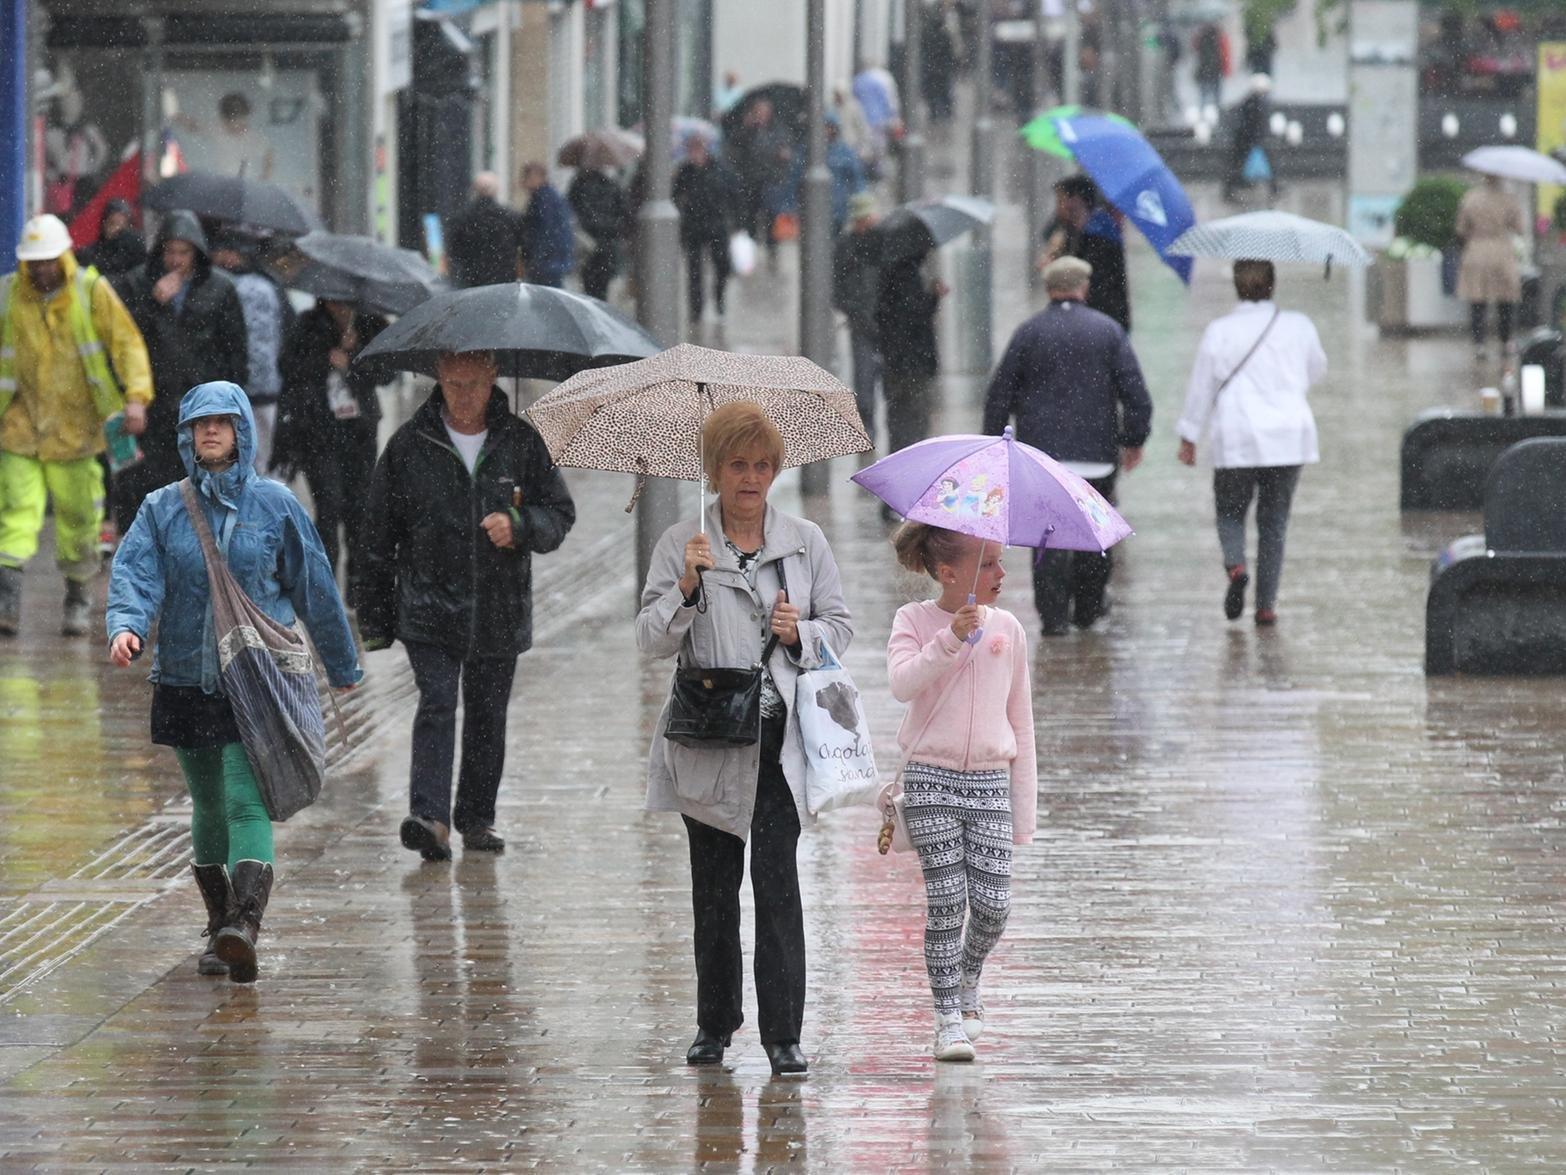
[
  {"x": 230, "y": 823},
  {"x": 26, "y": 485}
]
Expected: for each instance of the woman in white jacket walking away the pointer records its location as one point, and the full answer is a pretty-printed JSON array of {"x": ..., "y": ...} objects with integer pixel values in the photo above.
[{"x": 1248, "y": 391}]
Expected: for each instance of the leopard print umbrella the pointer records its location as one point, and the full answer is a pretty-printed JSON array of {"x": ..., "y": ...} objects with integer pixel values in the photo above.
[{"x": 646, "y": 417}]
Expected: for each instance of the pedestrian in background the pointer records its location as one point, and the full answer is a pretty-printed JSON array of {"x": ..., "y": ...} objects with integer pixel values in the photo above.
[
  {"x": 600, "y": 207},
  {"x": 1211, "y": 47},
  {"x": 848, "y": 174},
  {"x": 1248, "y": 159},
  {"x": 856, "y": 280},
  {"x": 119, "y": 247},
  {"x": 1488, "y": 217},
  {"x": 484, "y": 240},
  {"x": 328, "y": 418},
  {"x": 70, "y": 358},
  {"x": 548, "y": 240},
  {"x": 906, "y": 305},
  {"x": 268, "y": 319},
  {"x": 970, "y": 776},
  {"x": 718, "y": 601},
  {"x": 1086, "y": 226},
  {"x": 190, "y": 317},
  {"x": 760, "y": 155},
  {"x": 159, "y": 579},
  {"x": 1253, "y": 370},
  {"x": 1072, "y": 383},
  {"x": 704, "y": 194},
  {"x": 462, "y": 498}
]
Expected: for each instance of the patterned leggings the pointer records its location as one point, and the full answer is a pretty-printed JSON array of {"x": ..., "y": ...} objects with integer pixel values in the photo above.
[{"x": 960, "y": 823}]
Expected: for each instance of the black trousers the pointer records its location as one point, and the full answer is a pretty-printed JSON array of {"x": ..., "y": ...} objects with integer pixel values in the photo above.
[
  {"x": 485, "y": 684},
  {"x": 1068, "y": 586},
  {"x": 1479, "y": 321},
  {"x": 717, "y": 249},
  {"x": 338, "y": 475},
  {"x": 599, "y": 268},
  {"x": 717, "y": 869}
]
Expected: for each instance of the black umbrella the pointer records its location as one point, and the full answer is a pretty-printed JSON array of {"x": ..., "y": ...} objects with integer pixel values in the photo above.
[
  {"x": 536, "y": 332},
  {"x": 235, "y": 200},
  {"x": 914, "y": 229},
  {"x": 381, "y": 279},
  {"x": 790, "y": 109}
]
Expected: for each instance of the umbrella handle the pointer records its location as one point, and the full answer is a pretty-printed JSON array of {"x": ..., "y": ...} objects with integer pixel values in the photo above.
[{"x": 973, "y": 637}]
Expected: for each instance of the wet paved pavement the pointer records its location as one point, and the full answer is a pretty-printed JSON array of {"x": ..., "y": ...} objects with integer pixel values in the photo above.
[{"x": 1291, "y": 906}]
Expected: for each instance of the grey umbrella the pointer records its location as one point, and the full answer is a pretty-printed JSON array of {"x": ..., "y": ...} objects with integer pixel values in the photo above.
[
  {"x": 1270, "y": 236},
  {"x": 536, "y": 332},
  {"x": 917, "y": 228},
  {"x": 234, "y": 199},
  {"x": 378, "y": 278}
]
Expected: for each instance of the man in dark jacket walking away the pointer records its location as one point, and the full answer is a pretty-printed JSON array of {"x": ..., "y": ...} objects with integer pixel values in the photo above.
[
  {"x": 1093, "y": 234},
  {"x": 600, "y": 209},
  {"x": 1251, "y": 127},
  {"x": 856, "y": 279},
  {"x": 905, "y": 322},
  {"x": 548, "y": 239},
  {"x": 484, "y": 241},
  {"x": 704, "y": 194},
  {"x": 462, "y": 498},
  {"x": 190, "y": 316},
  {"x": 1072, "y": 382}
]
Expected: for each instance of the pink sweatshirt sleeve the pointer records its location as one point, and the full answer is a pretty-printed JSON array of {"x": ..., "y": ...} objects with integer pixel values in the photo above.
[
  {"x": 1025, "y": 767},
  {"x": 914, "y": 665}
]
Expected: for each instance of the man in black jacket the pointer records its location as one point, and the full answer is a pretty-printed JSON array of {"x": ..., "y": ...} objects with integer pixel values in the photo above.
[
  {"x": 905, "y": 310},
  {"x": 463, "y": 496},
  {"x": 704, "y": 194},
  {"x": 856, "y": 279},
  {"x": 600, "y": 209},
  {"x": 484, "y": 240},
  {"x": 194, "y": 326},
  {"x": 1092, "y": 234},
  {"x": 1073, "y": 384}
]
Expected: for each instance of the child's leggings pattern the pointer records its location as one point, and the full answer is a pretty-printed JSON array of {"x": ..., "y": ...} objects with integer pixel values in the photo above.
[{"x": 960, "y": 823}]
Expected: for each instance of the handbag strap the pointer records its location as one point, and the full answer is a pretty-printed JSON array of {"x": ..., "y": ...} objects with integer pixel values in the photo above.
[{"x": 1256, "y": 346}]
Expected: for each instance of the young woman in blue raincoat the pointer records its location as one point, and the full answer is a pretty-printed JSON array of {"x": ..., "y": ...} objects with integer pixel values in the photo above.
[{"x": 160, "y": 576}]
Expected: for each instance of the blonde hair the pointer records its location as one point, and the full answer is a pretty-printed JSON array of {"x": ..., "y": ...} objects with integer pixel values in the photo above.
[
  {"x": 922, "y": 548},
  {"x": 736, "y": 427}
]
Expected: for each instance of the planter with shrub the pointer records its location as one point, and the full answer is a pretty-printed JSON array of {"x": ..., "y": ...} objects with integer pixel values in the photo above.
[{"x": 1416, "y": 276}]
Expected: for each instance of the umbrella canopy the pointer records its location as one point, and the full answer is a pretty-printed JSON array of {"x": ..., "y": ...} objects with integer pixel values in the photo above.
[
  {"x": 608, "y": 147},
  {"x": 1270, "y": 236},
  {"x": 1516, "y": 163},
  {"x": 997, "y": 489},
  {"x": 917, "y": 228},
  {"x": 536, "y": 332},
  {"x": 682, "y": 129},
  {"x": 790, "y": 109},
  {"x": 646, "y": 417},
  {"x": 234, "y": 199},
  {"x": 378, "y": 278},
  {"x": 1042, "y": 135},
  {"x": 1134, "y": 178}
]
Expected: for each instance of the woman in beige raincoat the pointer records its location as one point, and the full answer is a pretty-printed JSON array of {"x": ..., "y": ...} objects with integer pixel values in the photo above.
[{"x": 1487, "y": 219}]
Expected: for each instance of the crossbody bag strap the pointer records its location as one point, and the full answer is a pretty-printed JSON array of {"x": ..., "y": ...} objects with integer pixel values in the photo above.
[
  {"x": 198, "y": 519},
  {"x": 1256, "y": 346}
]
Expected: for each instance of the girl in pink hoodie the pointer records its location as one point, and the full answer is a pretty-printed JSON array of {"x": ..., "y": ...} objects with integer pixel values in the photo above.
[{"x": 970, "y": 784}]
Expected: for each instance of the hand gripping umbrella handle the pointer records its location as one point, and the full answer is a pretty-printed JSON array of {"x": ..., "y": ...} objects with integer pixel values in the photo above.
[{"x": 973, "y": 637}]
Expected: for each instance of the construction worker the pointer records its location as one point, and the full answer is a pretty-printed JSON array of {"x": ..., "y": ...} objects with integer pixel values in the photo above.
[{"x": 60, "y": 327}]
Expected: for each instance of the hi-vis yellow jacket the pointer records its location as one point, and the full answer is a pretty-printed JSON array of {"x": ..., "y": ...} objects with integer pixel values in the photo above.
[{"x": 55, "y": 350}]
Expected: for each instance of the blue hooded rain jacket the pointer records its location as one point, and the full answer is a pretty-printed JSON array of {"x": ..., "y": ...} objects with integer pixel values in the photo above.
[{"x": 270, "y": 543}]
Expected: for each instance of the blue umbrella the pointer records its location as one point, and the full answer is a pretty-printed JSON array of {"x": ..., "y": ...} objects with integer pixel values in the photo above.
[{"x": 1134, "y": 178}]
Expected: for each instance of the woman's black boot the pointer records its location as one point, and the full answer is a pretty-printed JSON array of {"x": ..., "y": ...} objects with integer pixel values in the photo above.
[
  {"x": 236, "y": 942},
  {"x": 212, "y": 881}
]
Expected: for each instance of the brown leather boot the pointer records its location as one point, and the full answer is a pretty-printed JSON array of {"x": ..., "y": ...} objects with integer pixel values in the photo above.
[
  {"x": 212, "y": 881},
  {"x": 236, "y": 942}
]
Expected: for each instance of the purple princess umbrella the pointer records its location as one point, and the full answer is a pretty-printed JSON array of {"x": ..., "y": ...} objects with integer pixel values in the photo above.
[{"x": 996, "y": 489}]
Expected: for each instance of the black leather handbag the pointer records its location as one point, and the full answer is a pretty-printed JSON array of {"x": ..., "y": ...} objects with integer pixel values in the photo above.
[{"x": 717, "y": 707}]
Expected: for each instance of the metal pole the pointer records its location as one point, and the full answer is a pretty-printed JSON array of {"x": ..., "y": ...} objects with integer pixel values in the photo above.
[
  {"x": 815, "y": 243},
  {"x": 658, "y": 250},
  {"x": 16, "y": 118},
  {"x": 975, "y": 306},
  {"x": 912, "y": 174},
  {"x": 1071, "y": 74},
  {"x": 1036, "y": 198}
]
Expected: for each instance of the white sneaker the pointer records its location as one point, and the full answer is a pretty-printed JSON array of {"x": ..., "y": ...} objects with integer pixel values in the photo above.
[
  {"x": 972, "y": 1010},
  {"x": 951, "y": 1042}
]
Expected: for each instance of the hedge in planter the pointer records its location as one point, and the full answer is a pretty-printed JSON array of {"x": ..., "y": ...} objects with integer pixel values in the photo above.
[{"x": 1428, "y": 214}]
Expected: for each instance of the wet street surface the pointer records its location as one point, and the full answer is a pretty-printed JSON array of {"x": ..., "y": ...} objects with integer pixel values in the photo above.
[{"x": 1291, "y": 905}]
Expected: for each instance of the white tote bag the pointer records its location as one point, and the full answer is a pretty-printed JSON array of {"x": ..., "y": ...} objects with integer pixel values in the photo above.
[
  {"x": 839, "y": 764},
  {"x": 742, "y": 254}
]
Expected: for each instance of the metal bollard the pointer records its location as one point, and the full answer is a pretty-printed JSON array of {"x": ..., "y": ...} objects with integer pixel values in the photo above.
[{"x": 972, "y": 294}]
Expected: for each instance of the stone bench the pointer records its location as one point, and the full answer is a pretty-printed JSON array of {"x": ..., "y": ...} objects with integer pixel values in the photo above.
[
  {"x": 1497, "y": 602},
  {"x": 1447, "y": 454}
]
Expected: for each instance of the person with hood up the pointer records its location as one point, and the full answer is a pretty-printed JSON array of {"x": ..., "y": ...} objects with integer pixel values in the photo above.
[
  {"x": 1092, "y": 233},
  {"x": 463, "y": 497},
  {"x": 119, "y": 247},
  {"x": 190, "y": 315},
  {"x": 67, "y": 348},
  {"x": 159, "y": 578}
]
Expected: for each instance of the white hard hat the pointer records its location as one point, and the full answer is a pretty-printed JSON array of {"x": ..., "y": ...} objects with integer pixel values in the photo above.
[{"x": 43, "y": 239}]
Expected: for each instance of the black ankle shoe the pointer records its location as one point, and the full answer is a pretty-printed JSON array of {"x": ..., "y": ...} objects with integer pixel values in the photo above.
[
  {"x": 787, "y": 1060},
  {"x": 1234, "y": 596},
  {"x": 707, "y": 1049},
  {"x": 482, "y": 840}
]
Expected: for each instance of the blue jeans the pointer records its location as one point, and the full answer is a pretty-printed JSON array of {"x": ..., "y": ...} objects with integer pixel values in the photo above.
[{"x": 485, "y": 684}]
